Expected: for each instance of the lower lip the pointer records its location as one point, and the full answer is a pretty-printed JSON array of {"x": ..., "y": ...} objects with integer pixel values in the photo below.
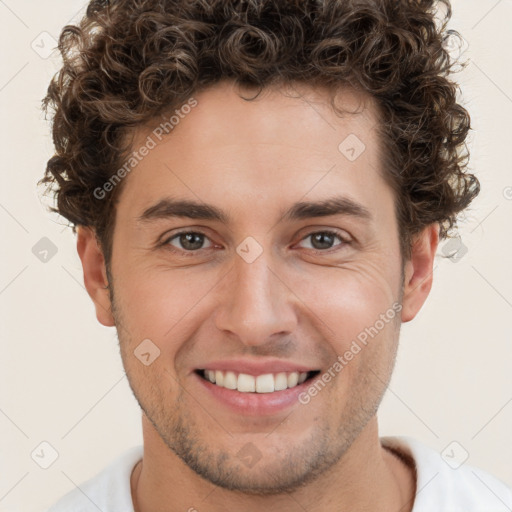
[{"x": 255, "y": 404}]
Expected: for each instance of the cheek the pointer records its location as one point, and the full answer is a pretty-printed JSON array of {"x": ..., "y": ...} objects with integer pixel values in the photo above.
[
  {"x": 157, "y": 303},
  {"x": 348, "y": 298}
]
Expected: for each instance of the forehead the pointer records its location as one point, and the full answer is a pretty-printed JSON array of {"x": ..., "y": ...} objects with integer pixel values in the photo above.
[
  {"x": 226, "y": 113},
  {"x": 286, "y": 144}
]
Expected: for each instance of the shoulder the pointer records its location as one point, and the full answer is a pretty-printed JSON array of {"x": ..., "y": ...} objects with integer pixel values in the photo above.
[
  {"x": 449, "y": 487},
  {"x": 108, "y": 491}
]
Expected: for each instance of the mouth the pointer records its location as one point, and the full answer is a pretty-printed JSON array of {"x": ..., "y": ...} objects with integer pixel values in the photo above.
[{"x": 264, "y": 383}]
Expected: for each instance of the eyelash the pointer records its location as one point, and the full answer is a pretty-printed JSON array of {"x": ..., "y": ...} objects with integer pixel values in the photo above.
[{"x": 166, "y": 243}]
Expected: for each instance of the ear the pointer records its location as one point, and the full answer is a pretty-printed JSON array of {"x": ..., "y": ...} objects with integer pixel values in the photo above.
[
  {"x": 418, "y": 271},
  {"x": 95, "y": 274}
]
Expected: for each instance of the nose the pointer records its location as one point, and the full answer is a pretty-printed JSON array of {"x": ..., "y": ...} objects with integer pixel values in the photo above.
[{"x": 256, "y": 305}]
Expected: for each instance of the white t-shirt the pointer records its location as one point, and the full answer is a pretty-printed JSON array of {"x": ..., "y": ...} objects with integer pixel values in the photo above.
[{"x": 439, "y": 487}]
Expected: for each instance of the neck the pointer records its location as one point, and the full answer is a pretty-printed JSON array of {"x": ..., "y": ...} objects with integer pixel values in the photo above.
[{"x": 367, "y": 477}]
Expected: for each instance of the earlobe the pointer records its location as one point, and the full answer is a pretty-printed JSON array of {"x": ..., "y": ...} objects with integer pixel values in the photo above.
[
  {"x": 418, "y": 271},
  {"x": 95, "y": 275}
]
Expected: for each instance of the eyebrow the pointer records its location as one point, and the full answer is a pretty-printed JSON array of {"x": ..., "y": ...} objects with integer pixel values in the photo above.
[
  {"x": 339, "y": 205},
  {"x": 333, "y": 206}
]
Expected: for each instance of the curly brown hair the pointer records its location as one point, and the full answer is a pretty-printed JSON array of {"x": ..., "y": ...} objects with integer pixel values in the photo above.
[{"x": 129, "y": 61}]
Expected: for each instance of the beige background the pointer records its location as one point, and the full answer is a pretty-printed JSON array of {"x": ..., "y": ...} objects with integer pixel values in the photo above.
[{"x": 61, "y": 377}]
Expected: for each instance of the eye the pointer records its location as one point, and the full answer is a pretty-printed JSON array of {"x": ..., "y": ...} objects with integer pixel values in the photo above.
[
  {"x": 324, "y": 240},
  {"x": 188, "y": 241}
]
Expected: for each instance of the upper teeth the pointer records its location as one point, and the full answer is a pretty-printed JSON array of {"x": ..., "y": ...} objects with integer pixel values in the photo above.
[{"x": 266, "y": 383}]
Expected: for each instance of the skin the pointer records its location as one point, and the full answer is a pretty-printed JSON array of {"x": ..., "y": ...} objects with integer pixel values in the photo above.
[{"x": 254, "y": 160}]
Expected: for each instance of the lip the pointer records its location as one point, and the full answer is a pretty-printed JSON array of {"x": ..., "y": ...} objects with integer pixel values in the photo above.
[
  {"x": 256, "y": 367},
  {"x": 253, "y": 404}
]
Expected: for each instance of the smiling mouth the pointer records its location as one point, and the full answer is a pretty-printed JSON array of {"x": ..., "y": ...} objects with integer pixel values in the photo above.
[{"x": 265, "y": 383}]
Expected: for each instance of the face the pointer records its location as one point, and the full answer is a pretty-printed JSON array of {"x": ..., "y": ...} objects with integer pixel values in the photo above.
[{"x": 289, "y": 262}]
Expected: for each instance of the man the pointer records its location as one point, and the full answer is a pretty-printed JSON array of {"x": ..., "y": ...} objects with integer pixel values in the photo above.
[{"x": 259, "y": 189}]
